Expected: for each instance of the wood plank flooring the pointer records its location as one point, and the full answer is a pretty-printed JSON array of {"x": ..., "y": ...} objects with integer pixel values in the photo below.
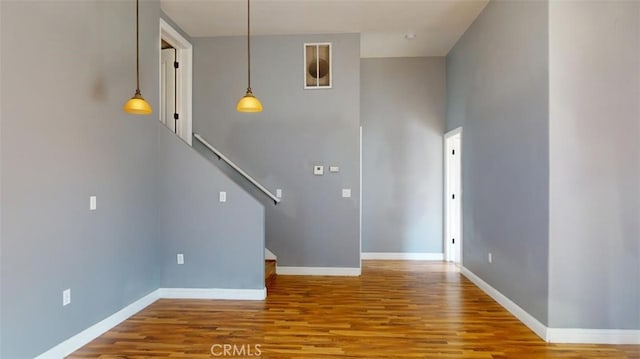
[{"x": 396, "y": 309}]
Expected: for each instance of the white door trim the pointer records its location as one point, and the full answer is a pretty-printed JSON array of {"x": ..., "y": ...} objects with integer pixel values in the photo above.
[
  {"x": 184, "y": 56},
  {"x": 446, "y": 244},
  {"x": 360, "y": 202}
]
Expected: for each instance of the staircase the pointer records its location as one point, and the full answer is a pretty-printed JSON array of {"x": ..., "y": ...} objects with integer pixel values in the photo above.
[{"x": 269, "y": 272}]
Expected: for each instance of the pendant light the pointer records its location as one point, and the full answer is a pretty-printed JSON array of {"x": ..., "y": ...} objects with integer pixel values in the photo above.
[
  {"x": 137, "y": 104},
  {"x": 249, "y": 103}
]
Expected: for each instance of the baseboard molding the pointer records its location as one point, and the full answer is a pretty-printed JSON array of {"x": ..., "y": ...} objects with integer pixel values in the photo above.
[
  {"x": 556, "y": 335},
  {"x": 526, "y": 318},
  {"x": 84, "y": 337},
  {"x": 213, "y": 293},
  {"x": 329, "y": 271},
  {"x": 402, "y": 256},
  {"x": 593, "y": 336}
]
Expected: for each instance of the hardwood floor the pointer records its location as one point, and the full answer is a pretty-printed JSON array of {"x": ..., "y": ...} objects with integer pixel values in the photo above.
[{"x": 396, "y": 309}]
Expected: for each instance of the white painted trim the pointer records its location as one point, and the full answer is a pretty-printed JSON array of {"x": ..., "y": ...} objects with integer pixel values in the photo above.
[
  {"x": 403, "y": 256},
  {"x": 327, "y": 271},
  {"x": 84, "y": 337},
  {"x": 268, "y": 255},
  {"x": 360, "y": 203},
  {"x": 593, "y": 336},
  {"x": 446, "y": 244},
  {"x": 185, "y": 80},
  {"x": 213, "y": 293},
  {"x": 556, "y": 335},
  {"x": 526, "y": 318}
]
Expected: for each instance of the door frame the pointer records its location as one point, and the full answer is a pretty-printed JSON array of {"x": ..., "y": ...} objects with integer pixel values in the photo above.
[
  {"x": 448, "y": 138},
  {"x": 184, "y": 56}
]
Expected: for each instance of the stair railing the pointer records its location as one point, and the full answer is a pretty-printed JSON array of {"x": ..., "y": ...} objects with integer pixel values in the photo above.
[{"x": 224, "y": 158}]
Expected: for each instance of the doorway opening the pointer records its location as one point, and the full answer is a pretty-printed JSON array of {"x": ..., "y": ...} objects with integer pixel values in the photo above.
[
  {"x": 453, "y": 196},
  {"x": 176, "y": 64}
]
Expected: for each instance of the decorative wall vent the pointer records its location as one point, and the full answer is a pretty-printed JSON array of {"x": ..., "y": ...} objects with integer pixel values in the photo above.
[{"x": 317, "y": 66}]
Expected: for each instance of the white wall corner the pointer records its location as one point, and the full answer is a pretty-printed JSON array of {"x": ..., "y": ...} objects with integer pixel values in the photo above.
[
  {"x": 416, "y": 256},
  {"x": 526, "y": 318},
  {"x": 322, "y": 271},
  {"x": 84, "y": 337},
  {"x": 556, "y": 335}
]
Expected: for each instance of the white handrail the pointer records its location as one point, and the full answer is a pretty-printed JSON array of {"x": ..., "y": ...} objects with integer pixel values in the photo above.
[{"x": 219, "y": 154}]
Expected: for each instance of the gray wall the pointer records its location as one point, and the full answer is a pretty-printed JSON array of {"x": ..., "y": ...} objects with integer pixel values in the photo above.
[
  {"x": 595, "y": 165},
  {"x": 64, "y": 138},
  {"x": 313, "y": 226},
  {"x": 497, "y": 90},
  {"x": 222, "y": 243},
  {"x": 403, "y": 119}
]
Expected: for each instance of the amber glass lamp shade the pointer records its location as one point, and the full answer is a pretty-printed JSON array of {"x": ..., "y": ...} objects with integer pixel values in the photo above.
[
  {"x": 249, "y": 103},
  {"x": 137, "y": 105}
]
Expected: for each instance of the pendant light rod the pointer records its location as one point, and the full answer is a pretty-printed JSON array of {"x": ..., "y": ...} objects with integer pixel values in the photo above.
[
  {"x": 137, "y": 48},
  {"x": 249, "y": 43}
]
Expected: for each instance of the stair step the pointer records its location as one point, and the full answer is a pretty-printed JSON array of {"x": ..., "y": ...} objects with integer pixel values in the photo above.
[{"x": 269, "y": 272}]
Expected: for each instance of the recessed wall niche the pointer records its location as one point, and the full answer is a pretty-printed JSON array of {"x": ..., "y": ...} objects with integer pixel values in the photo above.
[{"x": 317, "y": 66}]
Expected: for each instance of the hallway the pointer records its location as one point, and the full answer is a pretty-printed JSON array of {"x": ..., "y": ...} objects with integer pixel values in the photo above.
[{"x": 396, "y": 309}]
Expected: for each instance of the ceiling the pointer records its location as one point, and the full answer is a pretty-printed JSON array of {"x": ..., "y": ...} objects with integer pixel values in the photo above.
[{"x": 383, "y": 24}]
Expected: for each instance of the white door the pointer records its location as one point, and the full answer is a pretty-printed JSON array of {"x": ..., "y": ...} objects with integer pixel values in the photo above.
[
  {"x": 453, "y": 196},
  {"x": 168, "y": 89}
]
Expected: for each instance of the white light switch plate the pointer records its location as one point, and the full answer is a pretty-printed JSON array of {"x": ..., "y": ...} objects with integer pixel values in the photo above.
[
  {"x": 66, "y": 297},
  {"x": 346, "y": 192},
  {"x": 279, "y": 193},
  {"x": 93, "y": 203},
  {"x": 180, "y": 258},
  {"x": 318, "y": 170},
  {"x": 223, "y": 196},
  {"x": 334, "y": 169}
]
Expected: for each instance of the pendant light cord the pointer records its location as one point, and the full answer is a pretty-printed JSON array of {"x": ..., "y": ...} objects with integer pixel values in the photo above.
[
  {"x": 137, "y": 50},
  {"x": 249, "y": 43}
]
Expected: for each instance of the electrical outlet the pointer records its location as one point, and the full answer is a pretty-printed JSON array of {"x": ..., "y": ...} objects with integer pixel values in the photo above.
[
  {"x": 279, "y": 193},
  {"x": 318, "y": 170},
  {"x": 490, "y": 259},
  {"x": 334, "y": 169},
  {"x": 93, "y": 203},
  {"x": 66, "y": 297},
  {"x": 180, "y": 258},
  {"x": 223, "y": 196},
  {"x": 346, "y": 192}
]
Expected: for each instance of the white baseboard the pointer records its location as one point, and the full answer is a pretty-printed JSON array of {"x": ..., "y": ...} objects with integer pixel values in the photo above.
[
  {"x": 593, "y": 336},
  {"x": 526, "y": 318},
  {"x": 556, "y": 335},
  {"x": 84, "y": 337},
  {"x": 213, "y": 293},
  {"x": 331, "y": 271},
  {"x": 402, "y": 256}
]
